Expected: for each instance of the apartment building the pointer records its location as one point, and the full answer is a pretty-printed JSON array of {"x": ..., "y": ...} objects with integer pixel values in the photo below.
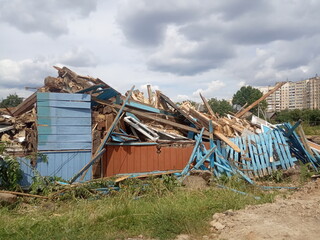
[{"x": 303, "y": 94}]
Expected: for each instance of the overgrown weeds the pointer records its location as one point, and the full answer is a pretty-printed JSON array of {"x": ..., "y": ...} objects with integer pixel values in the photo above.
[
  {"x": 156, "y": 208},
  {"x": 10, "y": 172}
]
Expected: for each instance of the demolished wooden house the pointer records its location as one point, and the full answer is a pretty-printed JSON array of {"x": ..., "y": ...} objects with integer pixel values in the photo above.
[{"x": 78, "y": 128}]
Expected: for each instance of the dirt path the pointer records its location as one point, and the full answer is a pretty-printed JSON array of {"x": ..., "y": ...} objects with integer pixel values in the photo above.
[{"x": 297, "y": 217}]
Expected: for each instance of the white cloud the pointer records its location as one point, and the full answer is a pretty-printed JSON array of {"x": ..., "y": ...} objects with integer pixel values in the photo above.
[
  {"x": 210, "y": 90},
  {"x": 241, "y": 83},
  {"x": 49, "y": 17},
  {"x": 182, "y": 97},
  {"x": 28, "y": 72},
  {"x": 79, "y": 57}
]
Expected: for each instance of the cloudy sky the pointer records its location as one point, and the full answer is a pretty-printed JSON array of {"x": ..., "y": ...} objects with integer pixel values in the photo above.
[{"x": 180, "y": 47}]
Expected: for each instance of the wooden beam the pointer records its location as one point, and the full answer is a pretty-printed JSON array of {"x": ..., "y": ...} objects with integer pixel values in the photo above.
[
  {"x": 304, "y": 140},
  {"x": 115, "y": 121},
  {"x": 149, "y": 94},
  {"x": 171, "y": 123},
  {"x": 153, "y": 117},
  {"x": 93, "y": 159},
  {"x": 26, "y": 105},
  {"x": 200, "y": 116},
  {"x": 247, "y": 109},
  {"x": 227, "y": 141},
  {"x": 24, "y": 194},
  {"x": 172, "y": 104},
  {"x": 101, "y": 149},
  {"x": 205, "y": 102}
]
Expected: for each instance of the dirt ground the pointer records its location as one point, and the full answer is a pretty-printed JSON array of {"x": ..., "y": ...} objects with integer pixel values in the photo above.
[{"x": 296, "y": 217}]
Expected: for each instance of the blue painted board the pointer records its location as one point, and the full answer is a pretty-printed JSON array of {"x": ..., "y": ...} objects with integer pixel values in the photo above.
[
  {"x": 64, "y": 104},
  {"x": 60, "y": 164},
  {"x": 65, "y": 138},
  {"x": 64, "y": 130},
  {"x": 62, "y": 112},
  {"x": 64, "y": 145},
  {"x": 65, "y": 121},
  {"x": 63, "y": 96}
]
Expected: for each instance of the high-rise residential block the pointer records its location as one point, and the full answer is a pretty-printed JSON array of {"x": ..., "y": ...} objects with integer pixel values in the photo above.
[{"x": 303, "y": 94}]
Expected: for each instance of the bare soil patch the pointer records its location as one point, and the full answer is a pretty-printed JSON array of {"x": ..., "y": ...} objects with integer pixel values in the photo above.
[{"x": 295, "y": 217}]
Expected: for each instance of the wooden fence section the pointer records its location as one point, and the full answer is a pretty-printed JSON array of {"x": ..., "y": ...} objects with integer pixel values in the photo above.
[{"x": 261, "y": 154}]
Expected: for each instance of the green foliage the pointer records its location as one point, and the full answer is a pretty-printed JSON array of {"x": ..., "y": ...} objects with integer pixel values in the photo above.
[
  {"x": 120, "y": 217},
  {"x": 12, "y": 100},
  {"x": 248, "y": 95},
  {"x": 306, "y": 171},
  {"x": 311, "y": 130},
  {"x": 154, "y": 187},
  {"x": 43, "y": 185},
  {"x": 277, "y": 176},
  {"x": 221, "y": 107},
  {"x": 308, "y": 116},
  {"x": 10, "y": 172}
]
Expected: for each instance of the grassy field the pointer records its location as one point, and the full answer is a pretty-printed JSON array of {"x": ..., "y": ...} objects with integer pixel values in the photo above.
[
  {"x": 311, "y": 130},
  {"x": 160, "y": 213}
]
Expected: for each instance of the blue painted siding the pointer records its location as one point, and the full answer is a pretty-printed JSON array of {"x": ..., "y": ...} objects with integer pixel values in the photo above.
[
  {"x": 60, "y": 164},
  {"x": 64, "y": 136},
  {"x": 64, "y": 121}
]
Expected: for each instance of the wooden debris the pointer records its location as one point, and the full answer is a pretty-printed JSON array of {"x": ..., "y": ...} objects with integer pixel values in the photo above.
[
  {"x": 23, "y": 194},
  {"x": 247, "y": 109}
]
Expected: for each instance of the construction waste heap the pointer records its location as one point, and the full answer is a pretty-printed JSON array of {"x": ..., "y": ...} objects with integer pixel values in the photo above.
[{"x": 223, "y": 145}]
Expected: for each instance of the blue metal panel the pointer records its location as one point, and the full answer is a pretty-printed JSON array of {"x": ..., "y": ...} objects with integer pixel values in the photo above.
[{"x": 59, "y": 164}]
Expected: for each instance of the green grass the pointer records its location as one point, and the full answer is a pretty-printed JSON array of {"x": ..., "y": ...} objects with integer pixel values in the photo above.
[
  {"x": 311, "y": 130},
  {"x": 158, "y": 214}
]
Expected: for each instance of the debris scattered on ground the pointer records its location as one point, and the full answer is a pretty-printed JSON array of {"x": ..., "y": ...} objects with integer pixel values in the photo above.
[{"x": 223, "y": 145}]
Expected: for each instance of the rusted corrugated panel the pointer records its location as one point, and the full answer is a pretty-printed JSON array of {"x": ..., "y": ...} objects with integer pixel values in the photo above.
[{"x": 145, "y": 158}]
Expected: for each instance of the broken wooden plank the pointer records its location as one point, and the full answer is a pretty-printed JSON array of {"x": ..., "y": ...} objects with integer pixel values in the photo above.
[
  {"x": 93, "y": 159},
  {"x": 149, "y": 94},
  {"x": 172, "y": 104},
  {"x": 116, "y": 120},
  {"x": 24, "y": 194},
  {"x": 171, "y": 123},
  {"x": 152, "y": 117},
  {"x": 304, "y": 140},
  {"x": 26, "y": 105},
  {"x": 205, "y": 102},
  {"x": 226, "y": 140},
  {"x": 247, "y": 109},
  {"x": 101, "y": 148}
]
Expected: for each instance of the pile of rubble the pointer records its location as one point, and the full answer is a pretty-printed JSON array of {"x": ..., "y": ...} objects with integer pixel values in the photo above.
[{"x": 156, "y": 118}]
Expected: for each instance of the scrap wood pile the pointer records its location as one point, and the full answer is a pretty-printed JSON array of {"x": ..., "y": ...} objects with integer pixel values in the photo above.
[
  {"x": 223, "y": 144},
  {"x": 18, "y": 128}
]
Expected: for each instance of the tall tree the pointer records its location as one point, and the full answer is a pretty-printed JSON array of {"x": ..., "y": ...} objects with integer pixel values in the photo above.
[
  {"x": 248, "y": 94},
  {"x": 221, "y": 107},
  {"x": 12, "y": 100}
]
